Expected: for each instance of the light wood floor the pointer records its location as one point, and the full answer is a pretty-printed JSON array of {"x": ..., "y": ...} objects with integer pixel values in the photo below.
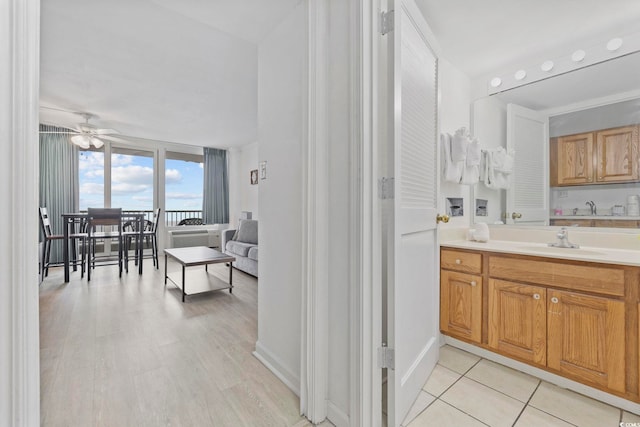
[{"x": 127, "y": 352}]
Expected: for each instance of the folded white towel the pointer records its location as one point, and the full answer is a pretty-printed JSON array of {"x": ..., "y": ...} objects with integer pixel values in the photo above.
[
  {"x": 470, "y": 175},
  {"x": 496, "y": 168},
  {"x": 459, "y": 146},
  {"x": 452, "y": 171},
  {"x": 473, "y": 153}
]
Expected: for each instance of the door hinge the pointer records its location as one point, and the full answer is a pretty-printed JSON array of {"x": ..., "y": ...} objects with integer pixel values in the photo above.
[
  {"x": 385, "y": 188},
  {"x": 386, "y": 357},
  {"x": 386, "y": 22}
]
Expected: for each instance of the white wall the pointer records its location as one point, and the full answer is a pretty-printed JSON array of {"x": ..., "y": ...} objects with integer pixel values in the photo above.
[
  {"x": 454, "y": 111},
  {"x": 489, "y": 125},
  {"x": 242, "y": 195},
  {"x": 282, "y": 58}
]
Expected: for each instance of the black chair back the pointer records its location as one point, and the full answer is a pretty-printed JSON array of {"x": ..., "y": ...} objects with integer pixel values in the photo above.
[{"x": 45, "y": 223}]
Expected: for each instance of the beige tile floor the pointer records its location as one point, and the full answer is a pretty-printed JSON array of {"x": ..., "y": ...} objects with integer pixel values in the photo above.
[{"x": 465, "y": 390}]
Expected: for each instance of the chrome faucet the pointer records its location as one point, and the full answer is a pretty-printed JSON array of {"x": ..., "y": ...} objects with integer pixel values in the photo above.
[
  {"x": 592, "y": 206},
  {"x": 563, "y": 240}
]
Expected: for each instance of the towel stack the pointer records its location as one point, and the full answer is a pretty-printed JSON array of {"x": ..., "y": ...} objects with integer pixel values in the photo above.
[
  {"x": 497, "y": 166},
  {"x": 461, "y": 157}
]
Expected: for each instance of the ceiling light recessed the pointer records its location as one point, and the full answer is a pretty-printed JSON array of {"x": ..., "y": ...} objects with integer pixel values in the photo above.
[
  {"x": 614, "y": 44},
  {"x": 578, "y": 55},
  {"x": 547, "y": 66},
  {"x": 496, "y": 81},
  {"x": 520, "y": 74}
]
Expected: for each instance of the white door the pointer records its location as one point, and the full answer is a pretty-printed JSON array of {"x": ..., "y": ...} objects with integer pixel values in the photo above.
[
  {"x": 412, "y": 287},
  {"x": 528, "y": 137}
]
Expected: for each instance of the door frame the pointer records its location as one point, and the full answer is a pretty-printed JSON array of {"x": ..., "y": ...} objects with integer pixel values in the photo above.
[{"x": 19, "y": 336}]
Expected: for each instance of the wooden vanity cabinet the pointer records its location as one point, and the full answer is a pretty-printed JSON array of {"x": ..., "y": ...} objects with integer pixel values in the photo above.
[
  {"x": 518, "y": 320},
  {"x": 600, "y": 157},
  {"x": 586, "y": 338},
  {"x": 575, "y": 319},
  {"x": 461, "y": 294}
]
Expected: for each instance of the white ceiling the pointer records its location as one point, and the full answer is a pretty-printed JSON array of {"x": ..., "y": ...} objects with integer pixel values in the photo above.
[
  {"x": 172, "y": 71},
  {"x": 186, "y": 71},
  {"x": 482, "y": 36}
]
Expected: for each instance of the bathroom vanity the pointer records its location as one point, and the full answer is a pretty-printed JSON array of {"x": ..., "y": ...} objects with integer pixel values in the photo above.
[{"x": 571, "y": 312}]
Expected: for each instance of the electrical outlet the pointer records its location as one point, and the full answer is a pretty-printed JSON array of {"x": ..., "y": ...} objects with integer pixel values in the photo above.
[{"x": 563, "y": 194}]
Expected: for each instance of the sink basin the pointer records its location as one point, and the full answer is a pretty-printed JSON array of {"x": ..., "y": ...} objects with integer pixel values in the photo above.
[{"x": 560, "y": 251}]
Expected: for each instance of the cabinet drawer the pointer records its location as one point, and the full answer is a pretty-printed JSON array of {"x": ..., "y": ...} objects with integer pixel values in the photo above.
[
  {"x": 600, "y": 279},
  {"x": 461, "y": 261}
]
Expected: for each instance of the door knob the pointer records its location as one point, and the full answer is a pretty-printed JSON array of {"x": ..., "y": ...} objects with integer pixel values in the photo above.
[
  {"x": 442, "y": 218},
  {"x": 516, "y": 215}
]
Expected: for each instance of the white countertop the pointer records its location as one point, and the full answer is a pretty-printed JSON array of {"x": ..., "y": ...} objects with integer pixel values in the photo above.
[{"x": 584, "y": 253}]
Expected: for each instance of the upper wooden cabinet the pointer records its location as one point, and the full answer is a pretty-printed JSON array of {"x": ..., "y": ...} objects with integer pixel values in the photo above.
[
  {"x": 600, "y": 157},
  {"x": 617, "y": 154},
  {"x": 574, "y": 159}
]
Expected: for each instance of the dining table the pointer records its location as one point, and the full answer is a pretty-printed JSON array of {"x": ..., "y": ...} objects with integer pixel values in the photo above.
[{"x": 70, "y": 220}]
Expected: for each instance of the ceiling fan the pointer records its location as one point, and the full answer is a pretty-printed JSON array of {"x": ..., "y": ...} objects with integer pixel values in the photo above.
[{"x": 88, "y": 134}]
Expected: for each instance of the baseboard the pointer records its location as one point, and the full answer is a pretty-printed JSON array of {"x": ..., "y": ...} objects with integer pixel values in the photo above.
[
  {"x": 274, "y": 365},
  {"x": 337, "y": 416},
  {"x": 563, "y": 382}
]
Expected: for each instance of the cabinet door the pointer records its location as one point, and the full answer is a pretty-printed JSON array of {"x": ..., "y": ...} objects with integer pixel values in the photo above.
[
  {"x": 575, "y": 159},
  {"x": 617, "y": 154},
  {"x": 518, "y": 320},
  {"x": 586, "y": 338},
  {"x": 617, "y": 223},
  {"x": 572, "y": 222},
  {"x": 461, "y": 305}
]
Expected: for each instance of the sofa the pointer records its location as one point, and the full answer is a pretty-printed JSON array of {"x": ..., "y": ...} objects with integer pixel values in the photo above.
[{"x": 243, "y": 245}]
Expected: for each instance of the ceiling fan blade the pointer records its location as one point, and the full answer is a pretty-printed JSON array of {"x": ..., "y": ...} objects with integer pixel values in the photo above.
[{"x": 106, "y": 132}]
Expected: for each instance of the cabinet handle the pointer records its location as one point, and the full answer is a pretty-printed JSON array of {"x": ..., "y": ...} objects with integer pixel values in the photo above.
[
  {"x": 536, "y": 296},
  {"x": 554, "y": 300},
  {"x": 458, "y": 261},
  {"x": 473, "y": 283}
]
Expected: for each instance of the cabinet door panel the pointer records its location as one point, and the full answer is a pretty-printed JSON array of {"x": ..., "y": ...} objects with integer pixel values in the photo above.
[
  {"x": 586, "y": 338},
  {"x": 575, "y": 159},
  {"x": 461, "y": 305},
  {"x": 617, "y": 153},
  {"x": 518, "y": 320}
]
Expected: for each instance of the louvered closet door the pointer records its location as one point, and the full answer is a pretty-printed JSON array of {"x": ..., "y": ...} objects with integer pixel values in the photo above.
[
  {"x": 528, "y": 137},
  {"x": 412, "y": 281}
]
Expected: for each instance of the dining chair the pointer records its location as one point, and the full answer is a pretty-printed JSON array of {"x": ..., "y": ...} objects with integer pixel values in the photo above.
[
  {"x": 110, "y": 221},
  {"x": 49, "y": 238},
  {"x": 149, "y": 235}
]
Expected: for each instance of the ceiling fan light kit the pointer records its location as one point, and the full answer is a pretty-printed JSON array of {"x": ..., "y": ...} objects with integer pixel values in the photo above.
[{"x": 88, "y": 134}]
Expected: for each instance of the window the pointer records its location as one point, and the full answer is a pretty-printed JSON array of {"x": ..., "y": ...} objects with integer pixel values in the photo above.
[
  {"x": 91, "y": 185},
  {"x": 132, "y": 179},
  {"x": 184, "y": 177}
]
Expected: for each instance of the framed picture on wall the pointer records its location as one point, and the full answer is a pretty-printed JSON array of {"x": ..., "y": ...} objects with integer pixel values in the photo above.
[
  {"x": 263, "y": 170},
  {"x": 254, "y": 177}
]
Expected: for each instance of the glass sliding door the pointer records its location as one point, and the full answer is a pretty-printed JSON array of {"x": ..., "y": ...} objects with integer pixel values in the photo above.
[{"x": 184, "y": 178}]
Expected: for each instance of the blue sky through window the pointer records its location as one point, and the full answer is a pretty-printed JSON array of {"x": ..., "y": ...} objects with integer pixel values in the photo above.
[{"x": 132, "y": 182}]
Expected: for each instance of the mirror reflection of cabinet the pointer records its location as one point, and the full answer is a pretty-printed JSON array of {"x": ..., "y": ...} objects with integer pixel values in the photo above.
[
  {"x": 572, "y": 160},
  {"x": 617, "y": 155},
  {"x": 600, "y": 157}
]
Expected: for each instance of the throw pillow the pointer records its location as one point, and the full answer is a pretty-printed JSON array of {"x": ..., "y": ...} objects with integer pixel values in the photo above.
[{"x": 248, "y": 231}]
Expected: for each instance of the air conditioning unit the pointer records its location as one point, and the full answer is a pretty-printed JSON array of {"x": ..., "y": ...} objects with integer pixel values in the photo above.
[{"x": 198, "y": 237}]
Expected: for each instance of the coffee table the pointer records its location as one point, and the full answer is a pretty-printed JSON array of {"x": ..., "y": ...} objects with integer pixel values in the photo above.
[{"x": 199, "y": 255}]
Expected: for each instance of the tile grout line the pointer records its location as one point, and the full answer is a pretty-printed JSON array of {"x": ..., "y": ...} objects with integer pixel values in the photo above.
[
  {"x": 458, "y": 409},
  {"x": 526, "y": 405}
]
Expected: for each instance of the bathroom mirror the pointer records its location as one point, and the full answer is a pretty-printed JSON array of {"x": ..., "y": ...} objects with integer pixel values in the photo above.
[{"x": 602, "y": 96}]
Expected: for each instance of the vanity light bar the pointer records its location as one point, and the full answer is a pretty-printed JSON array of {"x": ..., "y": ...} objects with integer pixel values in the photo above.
[{"x": 615, "y": 47}]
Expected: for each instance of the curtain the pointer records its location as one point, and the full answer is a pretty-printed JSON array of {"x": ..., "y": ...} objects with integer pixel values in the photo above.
[
  {"x": 215, "y": 201},
  {"x": 59, "y": 179}
]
